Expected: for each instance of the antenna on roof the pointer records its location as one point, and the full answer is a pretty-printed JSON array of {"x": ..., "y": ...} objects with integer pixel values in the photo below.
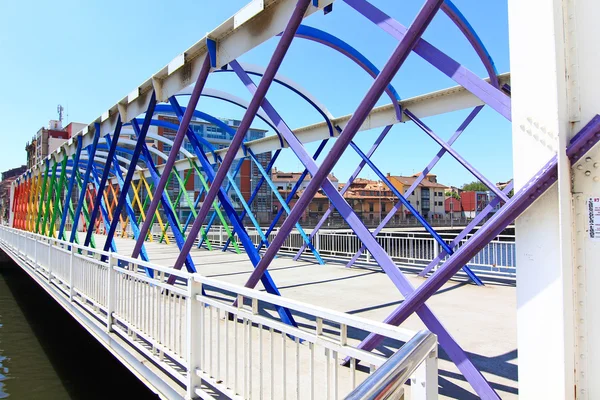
[{"x": 60, "y": 109}]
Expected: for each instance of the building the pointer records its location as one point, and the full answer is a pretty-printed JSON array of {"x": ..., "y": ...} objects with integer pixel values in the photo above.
[
  {"x": 7, "y": 178},
  {"x": 246, "y": 179},
  {"x": 453, "y": 208},
  {"x": 427, "y": 198},
  {"x": 46, "y": 140},
  {"x": 370, "y": 200},
  {"x": 287, "y": 180},
  {"x": 470, "y": 203}
]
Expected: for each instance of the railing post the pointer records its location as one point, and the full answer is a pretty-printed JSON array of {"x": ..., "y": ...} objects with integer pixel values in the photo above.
[
  {"x": 424, "y": 383},
  {"x": 49, "y": 266},
  {"x": 71, "y": 288},
  {"x": 193, "y": 345},
  {"x": 35, "y": 258},
  {"x": 221, "y": 241},
  {"x": 317, "y": 242},
  {"x": 436, "y": 253},
  {"x": 112, "y": 293}
]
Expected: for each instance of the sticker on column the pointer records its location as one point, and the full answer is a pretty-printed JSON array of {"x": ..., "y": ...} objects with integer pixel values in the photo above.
[{"x": 594, "y": 217}]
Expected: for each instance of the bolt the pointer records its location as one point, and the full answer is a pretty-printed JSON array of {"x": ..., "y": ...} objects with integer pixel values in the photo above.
[
  {"x": 580, "y": 167},
  {"x": 596, "y": 165},
  {"x": 588, "y": 173},
  {"x": 588, "y": 159},
  {"x": 596, "y": 178}
]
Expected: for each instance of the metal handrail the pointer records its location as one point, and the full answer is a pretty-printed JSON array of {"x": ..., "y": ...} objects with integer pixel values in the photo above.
[{"x": 386, "y": 382}]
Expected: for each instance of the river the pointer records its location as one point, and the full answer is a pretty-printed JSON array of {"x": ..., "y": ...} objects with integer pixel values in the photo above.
[{"x": 45, "y": 354}]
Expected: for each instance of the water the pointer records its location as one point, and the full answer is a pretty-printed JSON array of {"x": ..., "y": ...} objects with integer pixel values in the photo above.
[{"x": 45, "y": 354}]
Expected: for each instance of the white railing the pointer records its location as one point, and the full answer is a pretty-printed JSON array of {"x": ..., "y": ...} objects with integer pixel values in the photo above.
[
  {"x": 409, "y": 250},
  {"x": 210, "y": 336}
]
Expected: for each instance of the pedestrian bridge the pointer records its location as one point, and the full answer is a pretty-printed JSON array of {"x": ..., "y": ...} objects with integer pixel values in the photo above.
[{"x": 191, "y": 322}]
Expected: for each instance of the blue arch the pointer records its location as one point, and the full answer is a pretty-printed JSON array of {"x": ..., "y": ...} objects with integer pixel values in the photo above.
[
  {"x": 467, "y": 29},
  {"x": 331, "y": 41}
]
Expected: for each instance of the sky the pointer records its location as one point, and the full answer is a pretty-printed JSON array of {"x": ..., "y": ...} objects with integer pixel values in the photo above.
[{"x": 87, "y": 55}]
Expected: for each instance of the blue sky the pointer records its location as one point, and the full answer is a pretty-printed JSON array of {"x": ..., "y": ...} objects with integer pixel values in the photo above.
[{"x": 86, "y": 55}]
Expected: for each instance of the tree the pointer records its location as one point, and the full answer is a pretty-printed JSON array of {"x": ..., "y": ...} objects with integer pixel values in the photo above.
[
  {"x": 452, "y": 194},
  {"x": 475, "y": 186}
]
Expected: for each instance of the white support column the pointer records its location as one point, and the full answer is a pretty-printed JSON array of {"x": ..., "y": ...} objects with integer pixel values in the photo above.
[{"x": 555, "y": 91}]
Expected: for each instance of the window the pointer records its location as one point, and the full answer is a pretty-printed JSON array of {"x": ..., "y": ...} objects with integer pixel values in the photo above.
[
  {"x": 383, "y": 207},
  {"x": 371, "y": 207},
  {"x": 435, "y": 194},
  {"x": 320, "y": 207}
]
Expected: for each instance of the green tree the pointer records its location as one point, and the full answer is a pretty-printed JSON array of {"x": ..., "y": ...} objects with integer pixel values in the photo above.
[
  {"x": 452, "y": 194},
  {"x": 475, "y": 186}
]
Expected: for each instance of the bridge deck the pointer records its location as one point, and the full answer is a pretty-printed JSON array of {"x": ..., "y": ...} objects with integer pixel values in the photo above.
[{"x": 482, "y": 319}]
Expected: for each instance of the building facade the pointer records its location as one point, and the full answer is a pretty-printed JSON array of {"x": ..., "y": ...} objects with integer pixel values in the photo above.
[
  {"x": 427, "y": 198},
  {"x": 371, "y": 200},
  {"x": 46, "y": 140},
  {"x": 7, "y": 178}
]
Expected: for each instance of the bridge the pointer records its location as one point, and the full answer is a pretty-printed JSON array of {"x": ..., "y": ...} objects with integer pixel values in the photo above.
[{"x": 220, "y": 306}]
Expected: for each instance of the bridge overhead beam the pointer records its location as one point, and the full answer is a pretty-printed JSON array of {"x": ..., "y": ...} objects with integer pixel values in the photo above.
[{"x": 234, "y": 37}]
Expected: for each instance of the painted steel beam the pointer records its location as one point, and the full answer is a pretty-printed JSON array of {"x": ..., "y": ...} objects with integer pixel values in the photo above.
[
  {"x": 165, "y": 201},
  {"x": 71, "y": 185},
  {"x": 105, "y": 174},
  {"x": 217, "y": 207},
  {"x": 452, "y": 348},
  {"x": 84, "y": 184},
  {"x": 255, "y": 192},
  {"x": 168, "y": 166},
  {"x": 488, "y": 93},
  {"x": 128, "y": 178},
  {"x": 531, "y": 191},
  {"x": 128, "y": 206},
  {"x": 351, "y": 179},
  {"x": 237, "y": 224},
  {"x": 286, "y": 207}
]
